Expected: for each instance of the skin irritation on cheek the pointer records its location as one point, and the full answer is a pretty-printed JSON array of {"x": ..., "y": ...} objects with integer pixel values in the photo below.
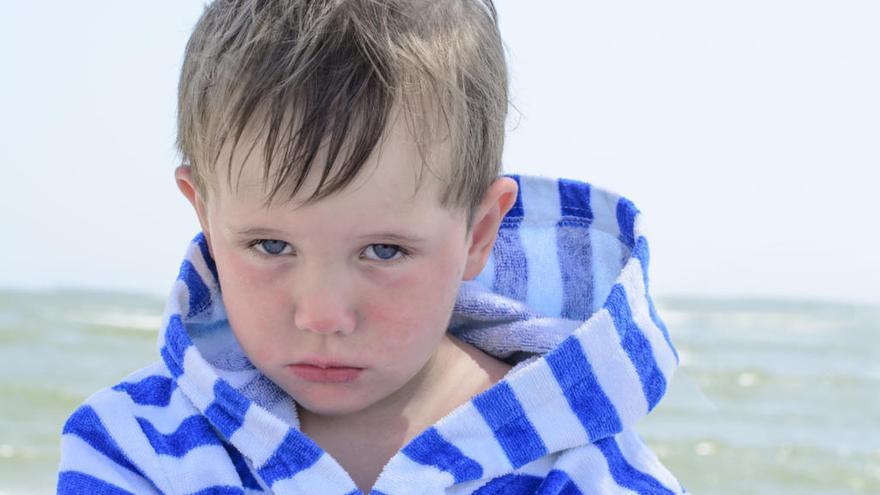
[{"x": 401, "y": 298}]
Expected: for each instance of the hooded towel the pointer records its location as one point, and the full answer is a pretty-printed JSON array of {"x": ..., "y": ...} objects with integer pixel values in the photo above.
[{"x": 563, "y": 297}]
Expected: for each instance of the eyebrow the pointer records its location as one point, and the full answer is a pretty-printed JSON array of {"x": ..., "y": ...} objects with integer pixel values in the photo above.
[
  {"x": 390, "y": 237},
  {"x": 258, "y": 231}
]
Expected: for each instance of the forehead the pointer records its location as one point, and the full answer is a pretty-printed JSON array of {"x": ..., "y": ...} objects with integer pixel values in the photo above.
[{"x": 397, "y": 176}]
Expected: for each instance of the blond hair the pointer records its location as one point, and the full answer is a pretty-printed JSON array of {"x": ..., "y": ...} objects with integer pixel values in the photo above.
[{"x": 331, "y": 70}]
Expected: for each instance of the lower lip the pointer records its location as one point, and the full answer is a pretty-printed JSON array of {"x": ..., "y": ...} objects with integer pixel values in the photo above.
[{"x": 325, "y": 375}]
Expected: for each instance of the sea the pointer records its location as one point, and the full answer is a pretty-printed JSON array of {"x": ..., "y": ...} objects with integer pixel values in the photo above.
[{"x": 771, "y": 397}]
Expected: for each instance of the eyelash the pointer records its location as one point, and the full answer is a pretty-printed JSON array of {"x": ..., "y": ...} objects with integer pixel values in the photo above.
[{"x": 403, "y": 252}]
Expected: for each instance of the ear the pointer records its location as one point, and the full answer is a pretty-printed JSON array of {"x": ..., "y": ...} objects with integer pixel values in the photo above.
[
  {"x": 187, "y": 186},
  {"x": 497, "y": 201}
]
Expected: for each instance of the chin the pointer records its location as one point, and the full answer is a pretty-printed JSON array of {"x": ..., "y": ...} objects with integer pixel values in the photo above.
[{"x": 331, "y": 406}]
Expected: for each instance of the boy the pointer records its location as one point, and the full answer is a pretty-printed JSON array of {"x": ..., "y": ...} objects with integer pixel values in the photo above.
[{"x": 370, "y": 307}]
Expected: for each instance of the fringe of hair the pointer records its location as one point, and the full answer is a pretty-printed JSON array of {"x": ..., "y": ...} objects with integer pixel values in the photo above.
[{"x": 308, "y": 72}]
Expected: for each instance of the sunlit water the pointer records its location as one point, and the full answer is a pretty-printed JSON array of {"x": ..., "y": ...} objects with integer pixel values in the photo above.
[{"x": 770, "y": 398}]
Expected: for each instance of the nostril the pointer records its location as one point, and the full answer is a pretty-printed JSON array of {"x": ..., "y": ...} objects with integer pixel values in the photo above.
[
  {"x": 312, "y": 320},
  {"x": 321, "y": 303}
]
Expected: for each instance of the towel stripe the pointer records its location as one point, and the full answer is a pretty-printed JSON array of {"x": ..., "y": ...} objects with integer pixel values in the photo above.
[
  {"x": 512, "y": 484},
  {"x": 636, "y": 345},
  {"x": 73, "y": 483},
  {"x": 575, "y": 253},
  {"x": 625, "y": 475},
  {"x": 641, "y": 252},
  {"x": 194, "y": 431},
  {"x": 220, "y": 490},
  {"x": 518, "y": 438},
  {"x": 244, "y": 472},
  {"x": 575, "y": 249},
  {"x": 511, "y": 266},
  {"x": 585, "y": 396},
  {"x": 575, "y": 199},
  {"x": 87, "y": 425},
  {"x": 202, "y": 242},
  {"x": 176, "y": 343},
  {"x": 640, "y": 457},
  {"x": 291, "y": 457},
  {"x": 626, "y": 214},
  {"x": 431, "y": 449},
  {"x": 228, "y": 410},
  {"x": 199, "y": 294},
  {"x": 509, "y": 259},
  {"x": 151, "y": 391},
  {"x": 559, "y": 482}
]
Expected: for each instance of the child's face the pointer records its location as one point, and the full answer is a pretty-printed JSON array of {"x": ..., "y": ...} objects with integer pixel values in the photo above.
[{"x": 365, "y": 278}]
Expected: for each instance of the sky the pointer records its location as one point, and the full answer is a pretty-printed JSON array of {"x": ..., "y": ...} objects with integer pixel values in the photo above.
[{"x": 747, "y": 133}]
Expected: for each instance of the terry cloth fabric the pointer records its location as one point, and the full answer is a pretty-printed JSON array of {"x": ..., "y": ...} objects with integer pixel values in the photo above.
[{"x": 564, "y": 297}]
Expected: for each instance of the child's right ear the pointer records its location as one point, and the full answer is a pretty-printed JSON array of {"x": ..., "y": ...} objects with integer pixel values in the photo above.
[{"x": 183, "y": 176}]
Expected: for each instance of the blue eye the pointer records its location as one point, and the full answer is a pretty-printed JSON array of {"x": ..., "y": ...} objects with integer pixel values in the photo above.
[
  {"x": 384, "y": 252},
  {"x": 272, "y": 246}
]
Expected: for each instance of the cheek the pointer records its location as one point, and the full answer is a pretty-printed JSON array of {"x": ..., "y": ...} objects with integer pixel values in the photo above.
[
  {"x": 253, "y": 303},
  {"x": 242, "y": 278},
  {"x": 412, "y": 311}
]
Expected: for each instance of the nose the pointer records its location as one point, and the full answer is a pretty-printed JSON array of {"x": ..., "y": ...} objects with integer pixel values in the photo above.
[{"x": 322, "y": 306}]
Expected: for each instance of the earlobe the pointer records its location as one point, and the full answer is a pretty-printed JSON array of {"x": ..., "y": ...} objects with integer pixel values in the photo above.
[{"x": 496, "y": 203}]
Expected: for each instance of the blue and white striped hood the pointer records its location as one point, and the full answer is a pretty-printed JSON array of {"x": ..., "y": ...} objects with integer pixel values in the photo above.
[{"x": 564, "y": 296}]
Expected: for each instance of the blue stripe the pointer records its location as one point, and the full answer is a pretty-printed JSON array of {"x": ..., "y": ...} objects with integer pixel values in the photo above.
[
  {"x": 295, "y": 453},
  {"x": 244, "y": 472},
  {"x": 220, "y": 490},
  {"x": 153, "y": 390},
  {"x": 192, "y": 432},
  {"x": 176, "y": 338},
  {"x": 202, "y": 241},
  {"x": 228, "y": 409},
  {"x": 585, "y": 396},
  {"x": 574, "y": 250},
  {"x": 176, "y": 343},
  {"x": 506, "y": 417},
  {"x": 74, "y": 483},
  {"x": 511, "y": 267},
  {"x": 559, "y": 483},
  {"x": 626, "y": 215},
  {"x": 574, "y": 198},
  {"x": 199, "y": 295},
  {"x": 625, "y": 475},
  {"x": 171, "y": 362},
  {"x": 642, "y": 253},
  {"x": 636, "y": 346},
  {"x": 86, "y": 424},
  {"x": 511, "y": 484},
  {"x": 509, "y": 258},
  {"x": 431, "y": 449}
]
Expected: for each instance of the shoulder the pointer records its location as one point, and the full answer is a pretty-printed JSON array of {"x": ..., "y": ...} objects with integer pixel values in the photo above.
[
  {"x": 107, "y": 437},
  {"x": 151, "y": 385},
  {"x": 149, "y": 394}
]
